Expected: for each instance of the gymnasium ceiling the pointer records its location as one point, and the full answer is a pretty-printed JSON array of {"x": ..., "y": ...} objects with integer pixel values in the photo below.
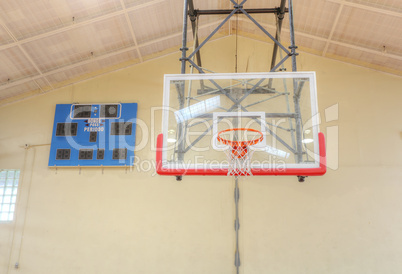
[{"x": 47, "y": 44}]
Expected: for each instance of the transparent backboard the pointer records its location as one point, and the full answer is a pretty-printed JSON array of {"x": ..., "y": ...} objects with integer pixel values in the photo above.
[{"x": 281, "y": 105}]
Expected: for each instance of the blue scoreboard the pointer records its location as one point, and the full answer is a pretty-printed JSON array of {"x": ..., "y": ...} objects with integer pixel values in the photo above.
[{"x": 93, "y": 135}]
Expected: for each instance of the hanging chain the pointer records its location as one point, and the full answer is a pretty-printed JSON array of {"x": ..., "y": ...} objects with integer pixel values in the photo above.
[
  {"x": 237, "y": 223},
  {"x": 237, "y": 26}
]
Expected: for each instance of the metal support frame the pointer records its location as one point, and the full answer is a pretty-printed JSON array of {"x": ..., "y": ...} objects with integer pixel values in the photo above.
[
  {"x": 193, "y": 17},
  {"x": 296, "y": 95},
  {"x": 237, "y": 9},
  {"x": 180, "y": 87},
  {"x": 194, "y": 14},
  {"x": 280, "y": 15}
]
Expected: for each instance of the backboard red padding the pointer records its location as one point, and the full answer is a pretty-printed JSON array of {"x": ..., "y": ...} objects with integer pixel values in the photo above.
[{"x": 255, "y": 171}]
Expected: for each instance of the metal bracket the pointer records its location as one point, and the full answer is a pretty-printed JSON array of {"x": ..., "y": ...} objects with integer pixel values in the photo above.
[{"x": 301, "y": 179}]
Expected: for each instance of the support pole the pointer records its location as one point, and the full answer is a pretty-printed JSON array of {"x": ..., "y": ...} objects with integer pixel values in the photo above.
[
  {"x": 299, "y": 135},
  {"x": 280, "y": 15},
  {"x": 292, "y": 37},
  {"x": 184, "y": 39},
  {"x": 237, "y": 223},
  {"x": 180, "y": 88},
  {"x": 194, "y": 27},
  {"x": 296, "y": 94}
]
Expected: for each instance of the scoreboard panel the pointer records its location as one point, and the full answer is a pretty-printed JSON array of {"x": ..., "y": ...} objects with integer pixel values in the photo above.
[{"x": 93, "y": 135}]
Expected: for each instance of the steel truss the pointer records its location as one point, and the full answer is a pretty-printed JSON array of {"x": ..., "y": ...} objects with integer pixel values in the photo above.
[{"x": 193, "y": 14}]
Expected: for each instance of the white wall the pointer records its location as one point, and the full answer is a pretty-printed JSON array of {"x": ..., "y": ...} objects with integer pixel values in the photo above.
[{"x": 119, "y": 221}]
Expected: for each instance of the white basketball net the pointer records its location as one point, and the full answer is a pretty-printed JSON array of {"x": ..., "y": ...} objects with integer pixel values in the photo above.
[
  {"x": 239, "y": 160},
  {"x": 239, "y": 153}
]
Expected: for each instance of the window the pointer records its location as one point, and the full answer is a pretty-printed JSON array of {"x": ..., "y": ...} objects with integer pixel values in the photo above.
[{"x": 8, "y": 193}]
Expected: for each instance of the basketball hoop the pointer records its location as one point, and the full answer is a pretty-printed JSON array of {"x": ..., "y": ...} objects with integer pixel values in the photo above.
[{"x": 240, "y": 154}]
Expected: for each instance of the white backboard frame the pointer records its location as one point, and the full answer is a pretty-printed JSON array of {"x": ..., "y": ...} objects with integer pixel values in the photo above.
[{"x": 178, "y": 77}]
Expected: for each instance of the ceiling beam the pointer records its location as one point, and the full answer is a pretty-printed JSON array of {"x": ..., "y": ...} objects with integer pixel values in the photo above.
[
  {"x": 130, "y": 26},
  {"x": 369, "y": 8},
  {"x": 372, "y": 51},
  {"x": 334, "y": 25},
  {"x": 80, "y": 24},
  {"x": 27, "y": 56},
  {"x": 24, "y": 80},
  {"x": 71, "y": 66},
  {"x": 100, "y": 57},
  {"x": 298, "y": 33}
]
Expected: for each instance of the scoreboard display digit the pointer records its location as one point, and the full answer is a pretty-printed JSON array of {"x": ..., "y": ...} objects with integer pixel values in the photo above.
[{"x": 93, "y": 135}]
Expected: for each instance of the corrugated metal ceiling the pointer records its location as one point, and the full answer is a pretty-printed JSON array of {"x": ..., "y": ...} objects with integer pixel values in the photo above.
[{"x": 48, "y": 44}]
